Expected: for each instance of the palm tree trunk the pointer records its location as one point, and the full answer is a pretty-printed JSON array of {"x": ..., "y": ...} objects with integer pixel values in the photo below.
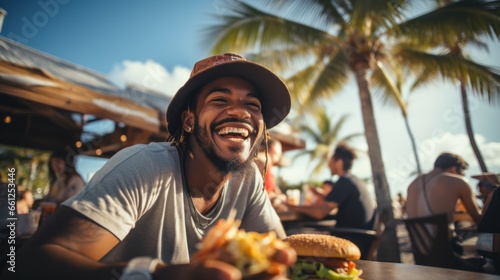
[
  {"x": 413, "y": 144},
  {"x": 468, "y": 126},
  {"x": 389, "y": 246}
]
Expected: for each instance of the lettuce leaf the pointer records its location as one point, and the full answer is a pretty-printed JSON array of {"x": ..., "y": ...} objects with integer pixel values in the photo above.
[{"x": 303, "y": 270}]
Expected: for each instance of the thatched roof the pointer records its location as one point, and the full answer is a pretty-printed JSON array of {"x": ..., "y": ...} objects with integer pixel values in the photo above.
[{"x": 49, "y": 100}]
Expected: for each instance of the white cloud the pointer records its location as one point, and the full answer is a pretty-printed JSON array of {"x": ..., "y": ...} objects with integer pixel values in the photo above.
[{"x": 149, "y": 74}]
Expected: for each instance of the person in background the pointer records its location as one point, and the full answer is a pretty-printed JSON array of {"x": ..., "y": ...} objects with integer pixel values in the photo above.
[
  {"x": 401, "y": 204},
  {"x": 487, "y": 184},
  {"x": 65, "y": 181},
  {"x": 349, "y": 195},
  {"x": 144, "y": 213},
  {"x": 274, "y": 154},
  {"x": 25, "y": 204},
  {"x": 321, "y": 192},
  {"x": 439, "y": 190}
]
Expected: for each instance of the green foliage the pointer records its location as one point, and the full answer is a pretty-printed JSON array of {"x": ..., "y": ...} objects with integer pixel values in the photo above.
[
  {"x": 323, "y": 134},
  {"x": 31, "y": 165}
]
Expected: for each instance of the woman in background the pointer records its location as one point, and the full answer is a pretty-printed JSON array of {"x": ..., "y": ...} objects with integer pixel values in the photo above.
[{"x": 65, "y": 182}]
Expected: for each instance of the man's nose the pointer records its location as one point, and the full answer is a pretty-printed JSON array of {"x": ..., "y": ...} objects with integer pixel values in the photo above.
[{"x": 238, "y": 110}]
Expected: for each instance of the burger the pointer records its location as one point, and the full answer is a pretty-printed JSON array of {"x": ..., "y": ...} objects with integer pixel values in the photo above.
[
  {"x": 323, "y": 257},
  {"x": 251, "y": 252}
]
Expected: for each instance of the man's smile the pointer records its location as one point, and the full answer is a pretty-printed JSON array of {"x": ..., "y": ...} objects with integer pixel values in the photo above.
[{"x": 237, "y": 132}]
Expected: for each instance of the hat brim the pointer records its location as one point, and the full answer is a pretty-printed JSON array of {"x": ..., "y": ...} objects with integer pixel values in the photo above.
[
  {"x": 488, "y": 177},
  {"x": 273, "y": 93}
]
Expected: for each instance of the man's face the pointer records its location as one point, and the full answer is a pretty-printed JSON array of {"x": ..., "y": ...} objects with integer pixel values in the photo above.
[
  {"x": 228, "y": 124},
  {"x": 335, "y": 165}
]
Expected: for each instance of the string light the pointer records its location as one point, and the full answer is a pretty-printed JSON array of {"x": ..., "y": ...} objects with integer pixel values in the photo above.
[
  {"x": 98, "y": 152},
  {"x": 7, "y": 119},
  {"x": 123, "y": 138},
  {"x": 78, "y": 144}
]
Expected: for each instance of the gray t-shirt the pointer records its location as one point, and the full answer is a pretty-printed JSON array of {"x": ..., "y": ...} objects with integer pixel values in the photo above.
[{"x": 138, "y": 195}]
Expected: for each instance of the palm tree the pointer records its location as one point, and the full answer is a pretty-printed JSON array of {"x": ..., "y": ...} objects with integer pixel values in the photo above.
[
  {"x": 315, "y": 45},
  {"x": 454, "y": 26},
  {"x": 324, "y": 135}
]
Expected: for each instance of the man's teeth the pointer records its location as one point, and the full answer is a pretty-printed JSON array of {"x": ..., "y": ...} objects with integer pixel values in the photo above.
[{"x": 234, "y": 130}]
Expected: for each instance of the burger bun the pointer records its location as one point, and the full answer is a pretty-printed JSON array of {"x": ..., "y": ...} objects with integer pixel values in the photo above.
[{"x": 321, "y": 245}]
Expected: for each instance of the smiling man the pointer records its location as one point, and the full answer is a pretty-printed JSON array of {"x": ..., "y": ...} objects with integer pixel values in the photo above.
[{"x": 144, "y": 213}]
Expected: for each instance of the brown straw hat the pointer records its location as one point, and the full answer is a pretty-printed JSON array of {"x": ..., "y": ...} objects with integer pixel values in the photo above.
[
  {"x": 489, "y": 177},
  {"x": 273, "y": 93}
]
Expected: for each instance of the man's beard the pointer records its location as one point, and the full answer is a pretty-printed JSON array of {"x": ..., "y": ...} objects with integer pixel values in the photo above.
[{"x": 222, "y": 164}]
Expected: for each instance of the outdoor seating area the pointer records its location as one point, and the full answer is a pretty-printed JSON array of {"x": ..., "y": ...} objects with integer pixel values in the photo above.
[{"x": 274, "y": 139}]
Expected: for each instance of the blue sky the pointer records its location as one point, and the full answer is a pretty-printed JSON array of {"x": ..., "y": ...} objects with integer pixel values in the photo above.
[{"x": 126, "y": 39}]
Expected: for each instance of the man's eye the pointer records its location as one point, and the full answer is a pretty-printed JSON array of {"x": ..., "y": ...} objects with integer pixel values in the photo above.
[
  {"x": 219, "y": 100},
  {"x": 254, "y": 105}
]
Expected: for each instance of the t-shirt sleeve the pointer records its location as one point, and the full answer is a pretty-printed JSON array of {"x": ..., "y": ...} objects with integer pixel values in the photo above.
[
  {"x": 260, "y": 215},
  {"x": 120, "y": 193}
]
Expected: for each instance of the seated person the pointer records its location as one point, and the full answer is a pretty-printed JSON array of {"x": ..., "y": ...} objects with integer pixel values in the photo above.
[
  {"x": 439, "y": 191},
  {"x": 349, "y": 195},
  {"x": 25, "y": 204},
  {"x": 487, "y": 184},
  {"x": 274, "y": 154},
  {"x": 144, "y": 213},
  {"x": 65, "y": 181},
  {"x": 488, "y": 242}
]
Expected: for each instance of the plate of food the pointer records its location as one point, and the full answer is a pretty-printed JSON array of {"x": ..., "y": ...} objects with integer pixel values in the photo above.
[{"x": 251, "y": 252}]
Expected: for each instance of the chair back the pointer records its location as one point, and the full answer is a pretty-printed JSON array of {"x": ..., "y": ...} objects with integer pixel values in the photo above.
[
  {"x": 429, "y": 240},
  {"x": 366, "y": 240}
]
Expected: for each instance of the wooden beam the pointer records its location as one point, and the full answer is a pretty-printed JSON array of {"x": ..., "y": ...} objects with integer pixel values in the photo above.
[{"x": 38, "y": 86}]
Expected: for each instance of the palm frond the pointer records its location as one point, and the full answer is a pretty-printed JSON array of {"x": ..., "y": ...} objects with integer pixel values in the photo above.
[
  {"x": 384, "y": 84},
  {"x": 467, "y": 19},
  {"x": 483, "y": 80},
  {"x": 244, "y": 28},
  {"x": 281, "y": 61},
  {"x": 320, "y": 13},
  {"x": 374, "y": 17},
  {"x": 302, "y": 82}
]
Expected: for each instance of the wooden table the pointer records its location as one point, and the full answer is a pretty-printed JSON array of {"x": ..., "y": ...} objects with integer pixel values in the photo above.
[
  {"x": 389, "y": 271},
  {"x": 294, "y": 222}
]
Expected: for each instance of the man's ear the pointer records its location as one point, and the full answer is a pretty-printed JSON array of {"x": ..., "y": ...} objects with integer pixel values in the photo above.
[
  {"x": 452, "y": 170},
  {"x": 188, "y": 120}
]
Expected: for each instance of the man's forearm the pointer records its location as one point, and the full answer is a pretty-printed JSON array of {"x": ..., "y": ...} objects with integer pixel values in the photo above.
[
  {"x": 51, "y": 261},
  {"x": 315, "y": 211}
]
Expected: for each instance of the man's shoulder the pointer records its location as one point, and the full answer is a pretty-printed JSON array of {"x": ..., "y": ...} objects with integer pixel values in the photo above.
[
  {"x": 451, "y": 178},
  {"x": 144, "y": 149},
  {"x": 352, "y": 181},
  {"x": 144, "y": 154}
]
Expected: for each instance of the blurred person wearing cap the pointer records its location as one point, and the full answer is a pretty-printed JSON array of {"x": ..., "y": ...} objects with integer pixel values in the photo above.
[{"x": 144, "y": 213}]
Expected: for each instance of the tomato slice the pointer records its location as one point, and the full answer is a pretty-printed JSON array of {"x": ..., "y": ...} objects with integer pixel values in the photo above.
[{"x": 333, "y": 263}]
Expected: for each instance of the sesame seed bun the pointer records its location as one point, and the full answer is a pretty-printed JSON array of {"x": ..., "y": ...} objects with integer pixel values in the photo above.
[{"x": 320, "y": 245}]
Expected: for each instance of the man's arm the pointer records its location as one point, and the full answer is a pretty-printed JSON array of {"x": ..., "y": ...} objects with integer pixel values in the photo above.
[
  {"x": 318, "y": 211},
  {"x": 470, "y": 204},
  {"x": 68, "y": 246}
]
